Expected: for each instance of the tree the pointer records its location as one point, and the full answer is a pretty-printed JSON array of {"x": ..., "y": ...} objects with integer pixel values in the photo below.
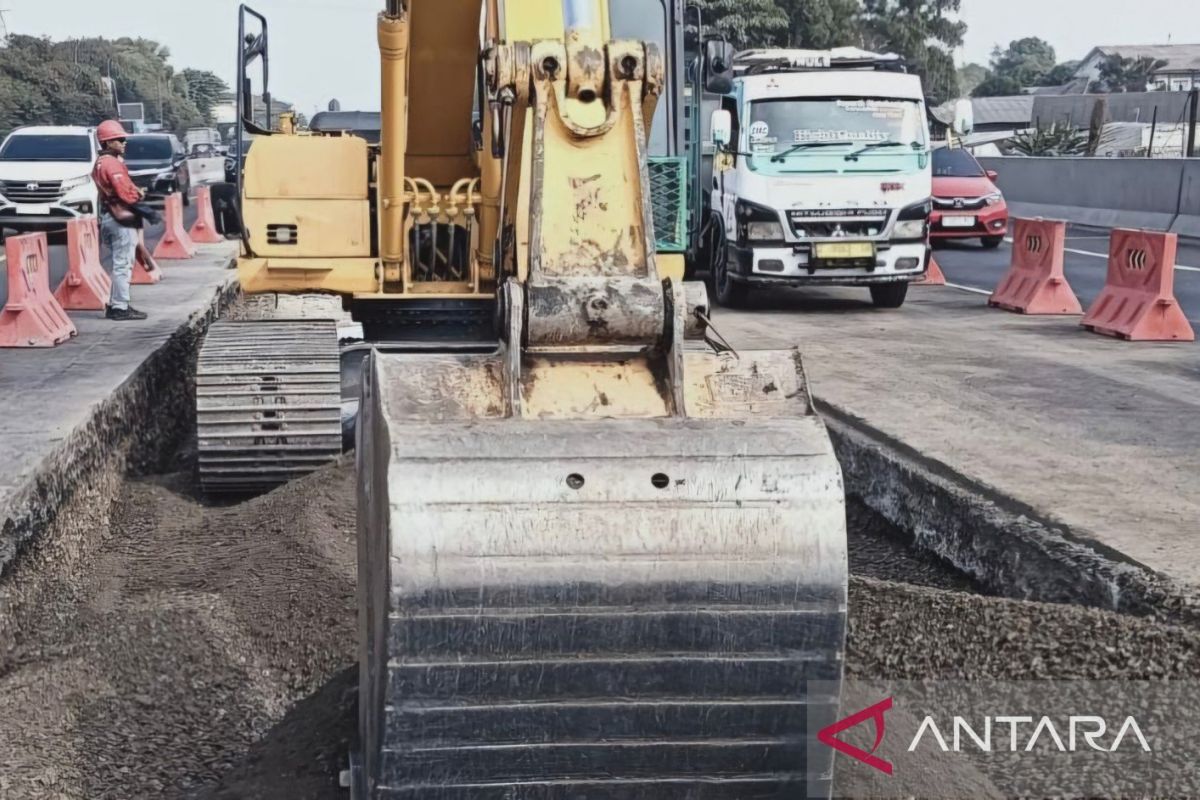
[
  {"x": 205, "y": 89},
  {"x": 923, "y": 33},
  {"x": 996, "y": 86},
  {"x": 1119, "y": 74},
  {"x": 747, "y": 23},
  {"x": 822, "y": 24},
  {"x": 1026, "y": 61},
  {"x": 970, "y": 76},
  {"x": 1062, "y": 73}
]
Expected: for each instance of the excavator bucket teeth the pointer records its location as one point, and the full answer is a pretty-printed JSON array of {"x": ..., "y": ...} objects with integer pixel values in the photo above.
[{"x": 601, "y": 608}]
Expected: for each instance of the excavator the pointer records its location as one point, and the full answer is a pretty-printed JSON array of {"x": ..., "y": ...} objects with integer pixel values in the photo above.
[{"x": 601, "y": 553}]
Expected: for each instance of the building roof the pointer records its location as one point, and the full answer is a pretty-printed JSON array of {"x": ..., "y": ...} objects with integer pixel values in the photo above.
[
  {"x": 1179, "y": 57},
  {"x": 1017, "y": 109}
]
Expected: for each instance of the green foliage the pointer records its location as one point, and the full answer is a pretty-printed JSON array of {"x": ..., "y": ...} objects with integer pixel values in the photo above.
[
  {"x": 1119, "y": 74},
  {"x": 970, "y": 76},
  {"x": 747, "y": 23},
  {"x": 822, "y": 24},
  {"x": 1026, "y": 61},
  {"x": 36, "y": 88},
  {"x": 996, "y": 86},
  {"x": 919, "y": 30},
  {"x": 1054, "y": 140},
  {"x": 205, "y": 89},
  {"x": 64, "y": 83},
  {"x": 1062, "y": 73},
  {"x": 923, "y": 32}
]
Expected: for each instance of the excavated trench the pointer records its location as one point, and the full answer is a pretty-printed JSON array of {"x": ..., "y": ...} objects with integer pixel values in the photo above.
[
  {"x": 153, "y": 645},
  {"x": 208, "y": 651}
]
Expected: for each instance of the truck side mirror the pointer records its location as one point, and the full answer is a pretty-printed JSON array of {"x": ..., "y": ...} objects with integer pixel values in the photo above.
[
  {"x": 718, "y": 66},
  {"x": 722, "y": 127}
]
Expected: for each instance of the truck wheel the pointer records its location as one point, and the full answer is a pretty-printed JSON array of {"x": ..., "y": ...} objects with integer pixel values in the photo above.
[
  {"x": 730, "y": 293},
  {"x": 889, "y": 295},
  {"x": 991, "y": 242}
]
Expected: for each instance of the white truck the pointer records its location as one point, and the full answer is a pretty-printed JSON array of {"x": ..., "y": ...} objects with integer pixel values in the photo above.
[{"x": 820, "y": 176}]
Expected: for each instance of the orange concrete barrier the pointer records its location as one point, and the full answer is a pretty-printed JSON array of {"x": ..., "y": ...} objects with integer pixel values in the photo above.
[
  {"x": 87, "y": 286},
  {"x": 933, "y": 276},
  {"x": 146, "y": 271},
  {"x": 31, "y": 317},
  {"x": 1138, "y": 300},
  {"x": 205, "y": 229},
  {"x": 175, "y": 243},
  {"x": 1035, "y": 282}
]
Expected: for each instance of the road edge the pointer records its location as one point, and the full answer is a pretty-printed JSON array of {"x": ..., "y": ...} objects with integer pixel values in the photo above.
[{"x": 1013, "y": 549}]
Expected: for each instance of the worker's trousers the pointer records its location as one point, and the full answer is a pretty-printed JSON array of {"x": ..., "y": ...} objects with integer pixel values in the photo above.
[{"x": 122, "y": 243}]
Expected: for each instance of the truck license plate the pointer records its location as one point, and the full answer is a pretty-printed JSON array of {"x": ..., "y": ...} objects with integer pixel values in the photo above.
[{"x": 844, "y": 251}]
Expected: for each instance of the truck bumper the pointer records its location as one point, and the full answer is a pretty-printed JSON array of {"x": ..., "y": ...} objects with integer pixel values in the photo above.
[{"x": 787, "y": 266}]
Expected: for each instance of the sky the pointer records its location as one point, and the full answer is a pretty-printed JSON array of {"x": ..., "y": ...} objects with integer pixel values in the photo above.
[{"x": 324, "y": 49}]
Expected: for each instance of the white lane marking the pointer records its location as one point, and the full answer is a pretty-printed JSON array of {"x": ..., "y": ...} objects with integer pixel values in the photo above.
[
  {"x": 1105, "y": 257},
  {"x": 968, "y": 288}
]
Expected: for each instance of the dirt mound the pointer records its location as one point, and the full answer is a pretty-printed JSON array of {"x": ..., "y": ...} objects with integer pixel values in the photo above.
[{"x": 184, "y": 642}]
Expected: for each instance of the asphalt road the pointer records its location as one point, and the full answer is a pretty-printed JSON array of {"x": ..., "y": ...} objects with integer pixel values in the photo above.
[
  {"x": 58, "y": 255},
  {"x": 968, "y": 265}
]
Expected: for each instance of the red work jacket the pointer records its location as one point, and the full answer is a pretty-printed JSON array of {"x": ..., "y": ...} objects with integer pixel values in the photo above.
[{"x": 113, "y": 181}]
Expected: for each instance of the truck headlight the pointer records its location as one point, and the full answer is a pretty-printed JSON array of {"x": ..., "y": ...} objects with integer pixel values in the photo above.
[
  {"x": 72, "y": 184},
  {"x": 764, "y": 231},
  {"x": 909, "y": 229}
]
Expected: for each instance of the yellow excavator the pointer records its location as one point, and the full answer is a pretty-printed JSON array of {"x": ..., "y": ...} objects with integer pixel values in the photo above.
[{"x": 602, "y": 555}]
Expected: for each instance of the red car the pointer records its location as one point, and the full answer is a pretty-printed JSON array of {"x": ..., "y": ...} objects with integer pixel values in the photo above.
[{"x": 967, "y": 204}]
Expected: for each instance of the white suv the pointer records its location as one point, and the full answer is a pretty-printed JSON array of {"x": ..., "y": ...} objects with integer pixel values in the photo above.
[{"x": 46, "y": 177}]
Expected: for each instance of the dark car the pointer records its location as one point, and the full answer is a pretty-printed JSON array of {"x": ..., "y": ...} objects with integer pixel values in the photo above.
[{"x": 157, "y": 163}]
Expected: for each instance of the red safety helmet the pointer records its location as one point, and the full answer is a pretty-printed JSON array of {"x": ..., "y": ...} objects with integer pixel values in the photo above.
[{"x": 110, "y": 129}]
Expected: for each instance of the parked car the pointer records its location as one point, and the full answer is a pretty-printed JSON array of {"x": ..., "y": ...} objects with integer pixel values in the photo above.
[
  {"x": 967, "y": 204},
  {"x": 157, "y": 163},
  {"x": 46, "y": 177}
]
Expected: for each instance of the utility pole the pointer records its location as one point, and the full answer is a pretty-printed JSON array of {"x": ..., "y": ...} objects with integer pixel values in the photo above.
[{"x": 1194, "y": 102}]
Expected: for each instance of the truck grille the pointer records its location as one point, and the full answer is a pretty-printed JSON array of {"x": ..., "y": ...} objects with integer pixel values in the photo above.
[
  {"x": 836, "y": 223},
  {"x": 33, "y": 191},
  {"x": 959, "y": 203}
]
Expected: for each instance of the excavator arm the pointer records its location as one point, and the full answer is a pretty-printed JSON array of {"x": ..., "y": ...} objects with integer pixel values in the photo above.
[{"x": 602, "y": 561}]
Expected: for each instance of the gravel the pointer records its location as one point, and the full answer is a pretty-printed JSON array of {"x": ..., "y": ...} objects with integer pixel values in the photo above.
[{"x": 209, "y": 652}]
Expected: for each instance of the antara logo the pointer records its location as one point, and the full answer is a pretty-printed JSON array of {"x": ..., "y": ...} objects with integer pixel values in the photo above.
[
  {"x": 875, "y": 715},
  {"x": 1024, "y": 734}
]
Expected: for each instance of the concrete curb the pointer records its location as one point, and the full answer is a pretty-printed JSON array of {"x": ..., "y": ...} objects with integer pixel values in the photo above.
[
  {"x": 1010, "y": 548},
  {"x": 134, "y": 429}
]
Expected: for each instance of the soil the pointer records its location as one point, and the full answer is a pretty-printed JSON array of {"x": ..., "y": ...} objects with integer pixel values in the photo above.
[{"x": 209, "y": 652}]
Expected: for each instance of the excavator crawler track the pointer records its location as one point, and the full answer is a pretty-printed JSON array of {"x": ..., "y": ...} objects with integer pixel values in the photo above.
[{"x": 268, "y": 403}]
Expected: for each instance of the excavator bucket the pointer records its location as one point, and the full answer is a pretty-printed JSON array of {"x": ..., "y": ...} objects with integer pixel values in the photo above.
[{"x": 591, "y": 607}]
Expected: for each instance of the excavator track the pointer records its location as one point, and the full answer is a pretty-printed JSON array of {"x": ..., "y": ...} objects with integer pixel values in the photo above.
[{"x": 268, "y": 403}]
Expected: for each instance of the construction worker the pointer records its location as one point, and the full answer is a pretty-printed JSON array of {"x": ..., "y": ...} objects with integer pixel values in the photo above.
[{"x": 119, "y": 221}]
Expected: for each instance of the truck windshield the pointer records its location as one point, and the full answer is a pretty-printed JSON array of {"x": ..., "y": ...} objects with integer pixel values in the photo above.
[
  {"x": 647, "y": 22},
  {"x": 153, "y": 148},
  {"x": 47, "y": 147},
  {"x": 806, "y": 128}
]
